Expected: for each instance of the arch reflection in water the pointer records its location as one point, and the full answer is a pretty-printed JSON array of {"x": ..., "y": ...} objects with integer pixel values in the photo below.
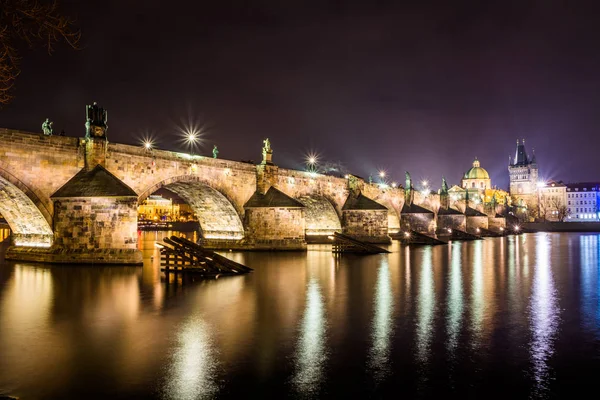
[
  {"x": 544, "y": 315},
  {"x": 192, "y": 372},
  {"x": 311, "y": 354},
  {"x": 455, "y": 296},
  {"x": 425, "y": 306},
  {"x": 382, "y": 324}
]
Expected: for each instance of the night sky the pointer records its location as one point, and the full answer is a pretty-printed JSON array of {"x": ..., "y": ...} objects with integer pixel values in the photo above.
[{"x": 423, "y": 88}]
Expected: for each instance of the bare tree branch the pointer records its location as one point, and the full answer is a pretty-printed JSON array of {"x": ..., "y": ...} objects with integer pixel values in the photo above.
[{"x": 31, "y": 22}]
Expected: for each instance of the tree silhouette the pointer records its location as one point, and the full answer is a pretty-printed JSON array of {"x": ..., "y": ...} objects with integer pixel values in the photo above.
[{"x": 30, "y": 22}]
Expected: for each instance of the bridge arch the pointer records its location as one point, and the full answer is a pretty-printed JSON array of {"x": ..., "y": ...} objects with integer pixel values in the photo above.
[
  {"x": 320, "y": 215},
  {"x": 30, "y": 225},
  {"x": 217, "y": 215}
]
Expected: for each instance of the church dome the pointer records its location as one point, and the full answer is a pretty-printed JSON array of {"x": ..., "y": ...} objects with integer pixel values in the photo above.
[{"x": 476, "y": 172}]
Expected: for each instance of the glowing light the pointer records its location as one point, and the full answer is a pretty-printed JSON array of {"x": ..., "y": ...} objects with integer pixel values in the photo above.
[
  {"x": 191, "y": 133},
  {"x": 424, "y": 183},
  {"x": 382, "y": 174},
  {"x": 407, "y": 234},
  {"x": 346, "y": 176},
  {"x": 541, "y": 184},
  {"x": 394, "y": 185},
  {"x": 478, "y": 230},
  {"x": 425, "y": 306},
  {"x": 382, "y": 326},
  {"x": 311, "y": 354},
  {"x": 449, "y": 230},
  {"x": 517, "y": 228}
]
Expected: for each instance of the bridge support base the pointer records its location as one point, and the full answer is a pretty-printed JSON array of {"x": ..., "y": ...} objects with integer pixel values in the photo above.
[{"x": 56, "y": 255}]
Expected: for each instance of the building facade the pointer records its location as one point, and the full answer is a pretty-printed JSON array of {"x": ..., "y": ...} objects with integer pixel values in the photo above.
[
  {"x": 523, "y": 175},
  {"x": 582, "y": 201},
  {"x": 553, "y": 201},
  {"x": 476, "y": 179}
]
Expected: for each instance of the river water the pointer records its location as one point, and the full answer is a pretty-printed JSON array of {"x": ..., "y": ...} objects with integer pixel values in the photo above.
[{"x": 516, "y": 316}]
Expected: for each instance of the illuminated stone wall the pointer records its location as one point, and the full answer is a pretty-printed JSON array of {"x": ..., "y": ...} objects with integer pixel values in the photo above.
[
  {"x": 474, "y": 222},
  {"x": 452, "y": 222},
  {"x": 95, "y": 223},
  {"x": 496, "y": 223},
  {"x": 275, "y": 228},
  {"x": 321, "y": 217},
  {"x": 368, "y": 225},
  {"x": 418, "y": 222},
  {"x": 217, "y": 217}
]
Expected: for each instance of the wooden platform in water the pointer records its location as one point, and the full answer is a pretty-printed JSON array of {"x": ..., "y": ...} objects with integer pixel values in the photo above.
[
  {"x": 346, "y": 244},
  {"x": 182, "y": 256}
]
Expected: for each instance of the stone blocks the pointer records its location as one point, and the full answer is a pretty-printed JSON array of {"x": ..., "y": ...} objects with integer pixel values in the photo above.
[{"x": 367, "y": 225}]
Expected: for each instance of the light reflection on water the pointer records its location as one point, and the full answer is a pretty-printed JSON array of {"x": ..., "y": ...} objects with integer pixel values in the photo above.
[
  {"x": 310, "y": 353},
  {"x": 383, "y": 305},
  {"x": 191, "y": 374},
  {"x": 425, "y": 306},
  {"x": 429, "y": 320},
  {"x": 590, "y": 282},
  {"x": 544, "y": 315},
  {"x": 455, "y": 296},
  {"x": 477, "y": 298}
]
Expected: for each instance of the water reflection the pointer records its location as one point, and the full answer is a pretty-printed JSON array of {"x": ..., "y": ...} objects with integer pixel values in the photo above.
[
  {"x": 477, "y": 297},
  {"x": 425, "y": 306},
  {"x": 589, "y": 282},
  {"x": 455, "y": 296},
  {"x": 544, "y": 315},
  {"x": 192, "y": 372},
  {"x": 382, "y": 324},
  {"x": 311, "y": 355}
]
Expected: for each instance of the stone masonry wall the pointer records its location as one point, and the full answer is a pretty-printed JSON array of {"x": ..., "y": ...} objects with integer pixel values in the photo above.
[
  {"x": 452, "y": 222},
  {"x": 476, "y": 222},
  {"x": 275, "y": 227},
  {"x": 420, "y": 222},
  {"x": 84, "y": 224},
  {"x": 321, "y": 217},
  {"x": 368, "y": 225},
  {"x": 496, "y": 223}
]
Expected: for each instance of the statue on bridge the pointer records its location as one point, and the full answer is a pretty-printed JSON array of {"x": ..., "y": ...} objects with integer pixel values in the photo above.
[
  {"x": 444, "y": 185},
  {"x": 215, "y": 151},
  {"x": 409, "y": 191},
  {"x": 96, "y": 118},
  {"x": 47, "y": 127},
  {"x": 267, "y": 152}
]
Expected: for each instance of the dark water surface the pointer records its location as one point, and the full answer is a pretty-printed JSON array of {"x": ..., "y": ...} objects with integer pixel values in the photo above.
[{"x": 514, "y": 317}]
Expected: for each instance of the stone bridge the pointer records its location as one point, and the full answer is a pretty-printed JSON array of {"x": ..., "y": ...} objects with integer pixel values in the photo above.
[{"x": 75, "y": 200}]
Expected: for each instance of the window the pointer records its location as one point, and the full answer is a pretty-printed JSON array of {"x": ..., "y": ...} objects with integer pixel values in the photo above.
[{"x": 472, "y": 184}]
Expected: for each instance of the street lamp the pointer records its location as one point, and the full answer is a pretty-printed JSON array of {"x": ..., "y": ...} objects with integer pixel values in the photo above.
[
  {"x": 191, "y": 139},
  {"x": 311, "y": 160}
]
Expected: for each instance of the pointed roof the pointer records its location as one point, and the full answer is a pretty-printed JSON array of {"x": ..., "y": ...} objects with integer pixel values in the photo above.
[
  {"x": 520, "y": 154},
  {"x": 449, "y": 211},
  {"x": 414, "y": 209},
  {"x": 361, "y": 202},
  {"x": 471, "y": 212},
  {"x": 97, "y": 182},
  {"x": 273, "y": 198}
]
